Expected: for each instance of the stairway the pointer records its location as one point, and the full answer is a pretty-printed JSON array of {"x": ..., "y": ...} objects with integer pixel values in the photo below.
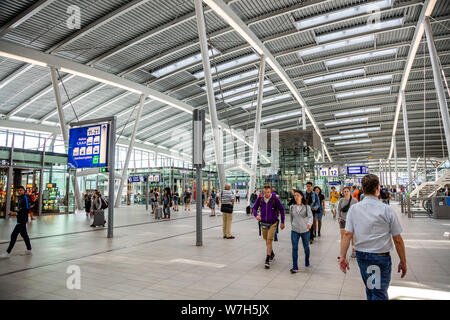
[{"x": 428, "y": 189}]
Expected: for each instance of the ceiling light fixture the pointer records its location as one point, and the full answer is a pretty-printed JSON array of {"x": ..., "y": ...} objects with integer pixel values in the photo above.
[
  {"x": 362, "y": 81},
  {"x": 362, "y": 92},
  {"x": 352, "y": 142},
  {"x": 362, "y": 56},
  {"x": 332, "y": 76},
  {"x": 336, "y": 45},
  {"x": 355, "y": 112},
  {"x": 229, "y": 65},
  {"x": 342, "y": 14},
  {"x": 341, "y": 122}
]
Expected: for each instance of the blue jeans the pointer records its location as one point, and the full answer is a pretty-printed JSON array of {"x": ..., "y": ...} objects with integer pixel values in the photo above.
[
  {"x": 295, "y": 237},
  {"x": 384, "y": 263}
]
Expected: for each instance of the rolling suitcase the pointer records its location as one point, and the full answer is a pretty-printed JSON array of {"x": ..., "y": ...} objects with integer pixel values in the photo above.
[
  {"x": 158, "y": 213},
  {"x": 99, "y": 218}
]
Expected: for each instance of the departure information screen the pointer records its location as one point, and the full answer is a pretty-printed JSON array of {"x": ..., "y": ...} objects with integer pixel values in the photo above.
[
  {"x": 88, "y": 146},
  {"x": 357, "y": 170}
]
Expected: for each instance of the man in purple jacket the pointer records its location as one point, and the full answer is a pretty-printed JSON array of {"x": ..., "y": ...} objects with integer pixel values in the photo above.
[{"x": 269, "y": 206}]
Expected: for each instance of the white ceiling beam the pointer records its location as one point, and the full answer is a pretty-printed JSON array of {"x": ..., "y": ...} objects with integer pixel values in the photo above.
[{"x": 24, "y": 16}]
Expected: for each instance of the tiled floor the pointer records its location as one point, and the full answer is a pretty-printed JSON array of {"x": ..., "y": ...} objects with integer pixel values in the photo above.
[{"x": 159, "y": 260}]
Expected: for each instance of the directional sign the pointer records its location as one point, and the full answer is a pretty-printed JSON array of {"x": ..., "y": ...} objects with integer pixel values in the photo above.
[
  {"x": 357, "y": 170},
  {"x": 334, "y": 172},
  {"x": 324, "y": 172},
  {"x": 88, "y": 146}
]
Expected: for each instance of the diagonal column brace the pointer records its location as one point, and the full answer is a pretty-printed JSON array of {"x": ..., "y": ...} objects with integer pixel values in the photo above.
[
  {"x": 438, "y": 83},
  {"x": 217, "y": 131},
  {"x": 254, "y": 163},
  {"x": 408, "y": 149},
  {"x": 130, "y": 149}
]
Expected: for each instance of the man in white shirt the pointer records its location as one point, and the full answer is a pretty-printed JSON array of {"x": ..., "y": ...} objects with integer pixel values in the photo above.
[{"x": 374, "y": 226}]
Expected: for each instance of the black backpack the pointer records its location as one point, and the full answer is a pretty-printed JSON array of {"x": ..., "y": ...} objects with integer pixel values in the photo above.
[{"x": 103, "y": 202}]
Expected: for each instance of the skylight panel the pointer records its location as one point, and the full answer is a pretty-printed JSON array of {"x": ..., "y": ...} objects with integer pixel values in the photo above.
[
  {"x": 332, "y": 76},
  {"x": 228, "y": 65},
  {"x": 234, "y": 78},
  {"x": 246, "y": 95},
  {"x": 240, "y": 89},
  {"x": 342, "y": 14},
  {"x": 362, "y": 81},
  {"x": 181, "y": 64},
  {"x": 352, "y": 142},
  {"x": 356, "y": 112},
  {"x": 268, "y": 100},
  {"x": 336, "y": 45},
  {"x": 362, "y": 56},
  {"x": 350, "y": 136},
  {"x": 362, "y": 92},
  {"x": 282, "y": 116},
  {"x": 355, "y": 153},
  {"x": 347, "y": 121},
  {"x": 366, "y": 129},
  {"x": 359, "y": 30}
]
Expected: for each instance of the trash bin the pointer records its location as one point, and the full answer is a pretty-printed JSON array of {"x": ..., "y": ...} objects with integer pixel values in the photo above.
[{"x": 441, "y": 207}]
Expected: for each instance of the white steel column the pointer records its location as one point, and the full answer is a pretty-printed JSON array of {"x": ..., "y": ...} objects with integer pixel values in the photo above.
[
  {"x": 64, "y": 132},
  {"x": 217, "y": 131},
  {"x": 394, "y": 141},
  {"x": 390, "y": 175},
  {"x": 380, "y": 175},
  {"x": 438, "y": 83},
  {"x": 256, "y": 132},
  {"x": 130, "y": 149},
  {"x": 62, "y": 121},
  {"x": 408, "y": 150}
]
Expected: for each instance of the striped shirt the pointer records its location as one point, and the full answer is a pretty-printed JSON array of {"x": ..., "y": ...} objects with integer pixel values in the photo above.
[{"x": 227, "y": 196}]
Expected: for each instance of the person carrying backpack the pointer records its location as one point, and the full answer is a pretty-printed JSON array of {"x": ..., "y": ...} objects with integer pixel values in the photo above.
[
  {"x": 23, "y": 206},
  {"x": 269, "y": 205}
]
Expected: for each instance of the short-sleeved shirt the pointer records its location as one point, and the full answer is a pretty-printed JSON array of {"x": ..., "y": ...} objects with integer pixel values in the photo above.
[
  {"x": 334, "y": 196},
  {"x": 373, "y": 224},
  {"x": 227, "y": 197}
]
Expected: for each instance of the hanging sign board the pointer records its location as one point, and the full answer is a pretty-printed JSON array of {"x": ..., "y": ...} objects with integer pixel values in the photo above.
[
  {"x": 88, "y": 146},
  {"x": 357, "y": 170}
]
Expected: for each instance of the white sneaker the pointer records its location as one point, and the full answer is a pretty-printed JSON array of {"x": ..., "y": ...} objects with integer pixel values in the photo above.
[
  {"x": 5, "y": 255},
  {"x": 28, "y": 253}
]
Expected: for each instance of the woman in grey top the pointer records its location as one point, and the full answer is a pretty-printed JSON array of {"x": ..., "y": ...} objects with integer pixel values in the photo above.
[
  {"x": 301, "y": 221},
  {"x": 343, "y": 207},
  {"x": 96, "y": 205}
]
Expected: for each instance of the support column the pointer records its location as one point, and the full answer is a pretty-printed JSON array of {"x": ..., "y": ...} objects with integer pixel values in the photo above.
[
  {"x": 380, "y": 176},
  {"x": 390, "y": 175},
  {"x": 408, "y": 150},
  {"x": 62, "y": 121},
  {"x": 130, "y": 149},
  {"x": 438, "y": 83},
  {"x": 395, "y": 163},
  {"x": 9, "y": 179},
  {"x": 256, "y": 133},
  {"x": 217, "y": 131}
]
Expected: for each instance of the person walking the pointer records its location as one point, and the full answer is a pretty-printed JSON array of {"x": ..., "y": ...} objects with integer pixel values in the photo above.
[
  {"x": 87, "y": 203},
  {"x": 227, "y": 200},
  {"x": 334, "y": 199},
  {"x": 212, "y": 203},
  {"x": 96, "y": 206},
  {"x": 312, "y": 200},
  {"x": 344, "y": 205},
  {"x": 167, "y": 203},
  {"x": 355, "y": 193},
  {"x": 187, "y": 199},
  {"x": 176, "y": 198},
  {"x": 238, "y": 196},
  {"x": 269, "y": 205},
  {"x": 374, "y": 225},
  {"x": 301, "y": 221},
  {"x": 321, "y": 212},
  {"x": 23, "y": 206},
  {"x": 34, "y": 202},
  {"x": 253, "y": 199}
]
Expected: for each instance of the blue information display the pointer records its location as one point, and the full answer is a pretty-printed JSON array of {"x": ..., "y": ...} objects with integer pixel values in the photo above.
[
  {"x": 88, "y": 146},
  {"x": 357, "y": 170},
  {"x": 135, "y": 179}
]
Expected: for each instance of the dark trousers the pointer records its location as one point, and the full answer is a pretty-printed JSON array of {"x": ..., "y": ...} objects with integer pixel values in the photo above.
[{"x": 22, "y": 229}]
